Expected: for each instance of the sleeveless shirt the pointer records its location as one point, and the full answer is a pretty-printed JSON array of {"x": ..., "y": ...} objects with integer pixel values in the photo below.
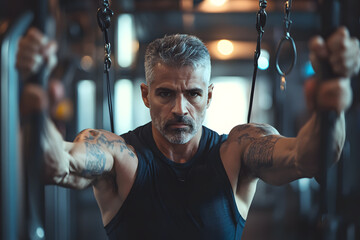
[{"x": 168, "y": 200}]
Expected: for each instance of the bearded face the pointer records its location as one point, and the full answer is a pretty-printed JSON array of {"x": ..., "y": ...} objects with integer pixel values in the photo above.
[
  {"x": 179, "y": 129},
  {"x": 178, "y": 99}
]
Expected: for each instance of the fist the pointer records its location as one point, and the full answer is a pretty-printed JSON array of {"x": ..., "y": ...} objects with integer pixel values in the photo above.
[
  {"x": 34, "y": 50},
  {"x": 334, "y": 94},
  {"x": 340, "y": 50},
  {"x": 33, "y": 99}
]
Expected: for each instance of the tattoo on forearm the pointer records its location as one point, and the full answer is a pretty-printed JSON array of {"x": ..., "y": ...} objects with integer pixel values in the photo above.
[
  {"x": 95, "y": 155},
  {"x": 259, "y": 154}
]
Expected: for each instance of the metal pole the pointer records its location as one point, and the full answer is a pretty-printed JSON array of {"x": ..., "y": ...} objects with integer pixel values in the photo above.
[
  {"x": 33, "y": 154},
  {"x": 330, "y": 17}
]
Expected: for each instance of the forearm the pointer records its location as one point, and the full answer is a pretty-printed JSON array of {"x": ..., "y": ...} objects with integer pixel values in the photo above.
[
  {"x": 73, "y": 181},
  {"x": 278, "y": 160},
  {"x": 308, "y": 145},
  {"x": 56, "y": 159},
  {"x": 69, "y": 164}
]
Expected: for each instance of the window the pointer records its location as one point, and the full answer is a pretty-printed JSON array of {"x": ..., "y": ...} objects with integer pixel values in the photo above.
[
  {"x": 86, "y": 101},
  {"x": 229, "y": 104}
]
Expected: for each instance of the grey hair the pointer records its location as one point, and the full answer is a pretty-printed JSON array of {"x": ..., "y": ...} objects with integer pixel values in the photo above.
[{"x": 176, "y": 50}]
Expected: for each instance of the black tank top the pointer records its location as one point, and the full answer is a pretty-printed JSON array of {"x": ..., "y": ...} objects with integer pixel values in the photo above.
[{"x": 192, "y": 200}]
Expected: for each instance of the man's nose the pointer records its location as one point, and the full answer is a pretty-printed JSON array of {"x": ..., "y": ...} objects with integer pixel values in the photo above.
[{"x": 180, "y": 107}]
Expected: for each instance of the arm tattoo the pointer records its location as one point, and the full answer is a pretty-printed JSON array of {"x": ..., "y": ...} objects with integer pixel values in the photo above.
[
  {"x": 260, "y": 140},
  {"x": 259, "y": 154},
  {"x": 95, "y": 160},
  {"x": 95, "y": 154},
  {"x": 243, "y": 127}
]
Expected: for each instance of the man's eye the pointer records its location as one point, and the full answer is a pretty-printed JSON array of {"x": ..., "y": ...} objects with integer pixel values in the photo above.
[
  {"x": 164, "y": 94},
  {"x": 194, "y": 94}
]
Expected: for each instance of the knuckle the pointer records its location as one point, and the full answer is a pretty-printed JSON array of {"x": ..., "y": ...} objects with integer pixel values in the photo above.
[
  {"x": 343, "y": 33},
  {"x": 343, "y": 45}
]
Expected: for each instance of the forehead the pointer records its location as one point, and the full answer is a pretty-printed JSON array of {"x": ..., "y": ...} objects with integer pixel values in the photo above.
[{"x": 179, "y": 76}]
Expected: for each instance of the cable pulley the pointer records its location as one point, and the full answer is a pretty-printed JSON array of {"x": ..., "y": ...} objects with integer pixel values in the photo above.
[
  {"x": 104, "y": 15},
  {"x": 260, "y": 24}
]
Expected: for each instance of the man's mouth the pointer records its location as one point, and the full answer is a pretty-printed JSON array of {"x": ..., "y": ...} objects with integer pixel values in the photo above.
[{"x": 178, "y": 125}]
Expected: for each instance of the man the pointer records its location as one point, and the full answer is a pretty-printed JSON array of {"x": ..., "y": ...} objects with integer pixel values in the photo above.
[{"x": 175, "y": 179}]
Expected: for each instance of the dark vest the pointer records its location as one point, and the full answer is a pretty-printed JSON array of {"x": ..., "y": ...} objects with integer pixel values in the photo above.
[{"x": 169, "y": 200}]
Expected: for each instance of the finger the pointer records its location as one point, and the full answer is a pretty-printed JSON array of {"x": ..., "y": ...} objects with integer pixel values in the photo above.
[
  {"x": 26, "y": 53},
  {"x": 347, "y": 62},
  {"x": 56, "y": 91},
  {"x": 30, "y": 53},
  {"x": 27, "y": 45},
  {"x": 36, "y": 36},
  {"x": 344, "y": 67},
  {"x": 29, "y": 65},
  {"x": 315, "y": 62},
  {"x": 334, "y": 95},
  {"x": 50, "y": 48},
  {"x": 33, "y": 99},
  {"x": 339, "y": 41},
  {"x": 50, "y": 55},
  {"x": 309, "y": 90},
  {"x": 356, "y": 43},
  {"x": 317, "y": 47},
  {"x": 33, "y": 41}
]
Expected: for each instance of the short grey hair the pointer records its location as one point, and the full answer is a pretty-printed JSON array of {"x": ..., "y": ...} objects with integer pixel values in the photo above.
[{"x": 176, "y": 50}]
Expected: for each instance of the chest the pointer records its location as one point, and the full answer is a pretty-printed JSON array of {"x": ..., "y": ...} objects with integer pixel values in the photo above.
[{"x": 196, "y": 200}]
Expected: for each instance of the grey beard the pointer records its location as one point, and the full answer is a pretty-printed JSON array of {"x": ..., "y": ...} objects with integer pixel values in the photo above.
[{"x": 179, "y": 135}]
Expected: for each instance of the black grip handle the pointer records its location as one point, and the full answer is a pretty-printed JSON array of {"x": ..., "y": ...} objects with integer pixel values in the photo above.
[
  {"x": 330, "y": 10},
  {"x": 33, "y": 152},
  {"x": 330, "y": 19}
]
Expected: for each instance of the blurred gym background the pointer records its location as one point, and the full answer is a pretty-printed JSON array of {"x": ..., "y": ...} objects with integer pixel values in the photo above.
[{"x": 228, "y": 29}]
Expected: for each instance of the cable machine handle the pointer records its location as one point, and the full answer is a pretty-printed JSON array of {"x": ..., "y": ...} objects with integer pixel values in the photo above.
[{"x": 330, "y": 18}]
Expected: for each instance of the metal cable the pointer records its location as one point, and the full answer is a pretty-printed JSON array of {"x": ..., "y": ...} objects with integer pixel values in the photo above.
[
  {"x": 260, "y": 24},
  {"x": 104, "y": 15}
]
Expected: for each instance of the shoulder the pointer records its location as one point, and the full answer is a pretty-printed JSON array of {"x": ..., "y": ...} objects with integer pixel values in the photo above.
[
  {"x": 251, "y": 130},
  {"x": 243, "y": 136},
  {"x": 97, "y": 135},
  {"x": 98, "y": 140},
  {"x": 211, "y": 137},
  {"x": 139, "y": 135}
]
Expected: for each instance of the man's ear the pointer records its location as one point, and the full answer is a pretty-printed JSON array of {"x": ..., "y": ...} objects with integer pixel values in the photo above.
[
  {"x": 145, "y": 94},
  {"x": 209, "y": 97}
]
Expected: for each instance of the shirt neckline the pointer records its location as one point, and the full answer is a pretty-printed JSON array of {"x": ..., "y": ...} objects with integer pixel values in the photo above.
[{"x": 159, "y": 154}]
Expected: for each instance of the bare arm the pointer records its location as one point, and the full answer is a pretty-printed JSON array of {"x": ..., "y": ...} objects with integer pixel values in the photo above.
[
  {"x": 264, "y": 154},
  {"x": 278, "y": 160},
  {"x": 80, "y": 163}
]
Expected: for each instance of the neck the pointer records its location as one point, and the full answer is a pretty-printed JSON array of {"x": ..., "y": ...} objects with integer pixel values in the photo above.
[{"x": 179, "y": 153}]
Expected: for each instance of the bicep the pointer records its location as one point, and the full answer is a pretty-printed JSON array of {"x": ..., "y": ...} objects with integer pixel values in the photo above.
[
  {"x": 259, "y": 153},
  {"x": 272, "y": 158},
  {"x": 265, "y": 154},
  {"x": 90, "y": 154}
]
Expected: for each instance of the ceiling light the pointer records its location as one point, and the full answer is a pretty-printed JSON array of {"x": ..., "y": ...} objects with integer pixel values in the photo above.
[
  {"x": 263, "y": 62},
  {"x": 218, "y": 2},
  {"x": 225, "y": 47}
]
